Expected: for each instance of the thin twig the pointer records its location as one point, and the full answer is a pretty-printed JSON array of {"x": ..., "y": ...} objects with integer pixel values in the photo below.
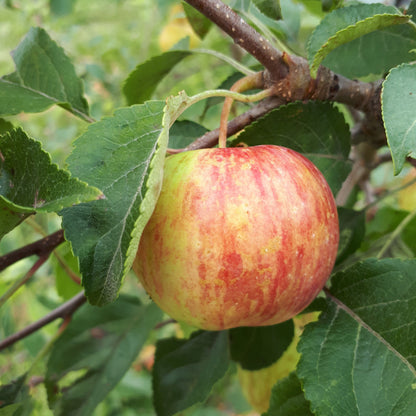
[
  {"x": 40, "y": 248},
  {"x": 399, "y": 229},
  {"x": 20, "y": 282},
  {"x": 63, "y": 311}
]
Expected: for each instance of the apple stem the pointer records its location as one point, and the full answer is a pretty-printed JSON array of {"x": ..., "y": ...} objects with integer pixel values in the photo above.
[
  {"x": 252, "y": 81},
  {"x": 233, "y": 95}
]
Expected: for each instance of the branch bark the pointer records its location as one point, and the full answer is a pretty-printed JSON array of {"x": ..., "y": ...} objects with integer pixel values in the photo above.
[
  {"x": 242, "y": 34},
  {"x": 40, "y": 248},
  {"x": 210, "y": 138},
  {"x": 63, "y": 311},
  {"x": 290, "y": 76}
]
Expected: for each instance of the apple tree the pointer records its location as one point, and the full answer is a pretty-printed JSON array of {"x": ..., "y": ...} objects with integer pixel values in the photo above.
[{"x": 84, "y": 136}]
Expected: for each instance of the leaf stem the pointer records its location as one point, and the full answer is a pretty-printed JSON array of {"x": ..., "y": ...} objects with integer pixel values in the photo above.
[
  {"x": 189, "y": 101},
  {"x": 20, "y": 282},
  {"x": 399, "y": 229},
  {"x": 239, "y": 67}
]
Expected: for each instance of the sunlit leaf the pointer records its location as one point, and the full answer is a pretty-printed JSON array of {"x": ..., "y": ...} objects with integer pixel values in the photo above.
[
  {"x": 399, "y": 113},
  {"x": 346, "y": 24},
  {"x": 124, "y": 156},
  {"x": 143, "y": 80},
  {"x": 44, "y": 76},
  {"x": 362, "y": 40},
  {"x": 30, "y": 182}
]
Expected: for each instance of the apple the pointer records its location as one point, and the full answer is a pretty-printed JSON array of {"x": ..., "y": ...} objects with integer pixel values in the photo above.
[
  {"x": 407, "y": 196},
  {"x": 239, "y": 237},
  {"x": 257, "y": 385},
  {"x": 177, "y": 28}
]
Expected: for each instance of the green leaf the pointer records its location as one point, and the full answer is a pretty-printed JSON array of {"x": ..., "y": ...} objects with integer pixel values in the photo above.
[
  {"x": 15, "y": 399},
  {"x": 142, "y": 82},
  {"x": 287, "y": 399},
  {"x": 360, "y": 357},
  {"x": 61, "y": 7},
  {"x": 259, "y": 347},
  {"x": 200, "y": 24},
  {"x": 184, "y": 132},
  {"x": 411, "y": 10},
  {"x": 378, "y": 52},
  {"x": 30, "y": 182},
  {"x": 328, "y": 5},
  {"x": 317, "y": 130},
  {"x": 66, "y": 287},
  {"x": 380, "y": 229},
  {"x": 100, "y": 345},
  {"x": 124, "y": 156},
  {"x": 44, "y": 76},
  {"x": 270, "y": 8},
  {"x": 5, "y": 126},
  {"x": 352, "y": 231},
  {"x": 399, "y": 93},
  {"x": 373, "y": 53},
  {"x": 186, "y": 370},
  {"x": 346, "y": 24}
]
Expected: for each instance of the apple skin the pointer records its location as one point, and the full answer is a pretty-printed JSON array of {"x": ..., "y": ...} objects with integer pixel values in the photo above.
[{"x": 239, "y": 237}]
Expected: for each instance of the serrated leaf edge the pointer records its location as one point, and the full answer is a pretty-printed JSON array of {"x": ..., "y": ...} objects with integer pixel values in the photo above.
[
  {"x": 327, "y": 47},
  {"x": 154, "y": 186},
  {"x": 397, "y": 165}
]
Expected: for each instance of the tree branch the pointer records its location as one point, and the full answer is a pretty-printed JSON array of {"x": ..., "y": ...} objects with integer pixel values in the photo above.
[
  {"x": 290, "y": 76},
  {"x": 40, "y": 248},
  {"x": 242, "y": 34},
  {"x": 63, "y": 311},
  {"x": 19, "y": 283}
]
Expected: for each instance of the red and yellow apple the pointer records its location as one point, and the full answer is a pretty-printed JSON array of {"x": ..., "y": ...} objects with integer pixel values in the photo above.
[{"x": 239, "y": 237}]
